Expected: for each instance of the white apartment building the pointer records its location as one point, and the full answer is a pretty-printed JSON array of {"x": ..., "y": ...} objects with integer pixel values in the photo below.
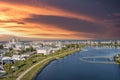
[
  {"x": 17, "y": 57},
  {"x": 44, "y": 50}
]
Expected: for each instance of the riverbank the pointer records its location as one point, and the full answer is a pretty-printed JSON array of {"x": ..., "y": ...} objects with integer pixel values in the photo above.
[
  {"x": 72, "y": 68},
  {"x": 30, "y": 73}
]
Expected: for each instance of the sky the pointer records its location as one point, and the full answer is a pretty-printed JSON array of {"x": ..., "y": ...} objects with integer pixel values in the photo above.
[{"x": 60, "y": 19}]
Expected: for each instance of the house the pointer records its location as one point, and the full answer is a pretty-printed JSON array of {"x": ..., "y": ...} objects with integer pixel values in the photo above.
[
  {"x": 25, "y": 55},
  {"x": 2, "y": 51},
  {"x": 18, "y": 46},
  {"x": 17, "y": 57},
  {"x": 15, "y": 44},
  {"x": 55, "y": 49},
  {"x": 7, "y": 60},
  {"x": 1, "y": 68},
  {"x": 44, "y": 50},
  {"x": 1, "y": 55},
  {"x": 27, "y": 46},
  {"x": 36, "y": 46}
]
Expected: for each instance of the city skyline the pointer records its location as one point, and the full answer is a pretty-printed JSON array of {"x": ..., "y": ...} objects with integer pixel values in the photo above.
[{"x": 60, "y": 19}]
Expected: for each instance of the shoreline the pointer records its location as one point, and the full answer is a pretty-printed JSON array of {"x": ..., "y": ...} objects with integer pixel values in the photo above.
[
  {"x": 42, "y": 64},
  {"x": 34, "y": 78}
]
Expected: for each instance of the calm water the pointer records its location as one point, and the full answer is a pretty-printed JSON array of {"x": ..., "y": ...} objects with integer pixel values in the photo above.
[{"x": 72, "y": 68}]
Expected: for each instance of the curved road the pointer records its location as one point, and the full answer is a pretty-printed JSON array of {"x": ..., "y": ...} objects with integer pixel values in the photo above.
[{"x": 21, "y": 76}]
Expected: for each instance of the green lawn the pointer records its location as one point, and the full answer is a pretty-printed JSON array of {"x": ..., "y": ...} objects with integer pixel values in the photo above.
[
  {"x": 31, "y": 74},
  {"x": 22, "y": 66}
]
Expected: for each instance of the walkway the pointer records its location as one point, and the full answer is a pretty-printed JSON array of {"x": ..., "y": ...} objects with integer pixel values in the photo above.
[
  {"x": 23, "y": 74},
  {"x": 20, "y": 77}
]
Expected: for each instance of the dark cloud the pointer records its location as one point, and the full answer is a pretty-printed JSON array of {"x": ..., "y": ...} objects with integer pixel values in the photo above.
[
  {"x": 12, "y": 21},
  {"x": 52, "y": 34},
  {"x": 68, "y": 23},
  {"x": 98, "y": 30},
  {"x": 97, "y": 8},
  {"x": 108, "y": 11},
  {"x": 118, "y": 26}
]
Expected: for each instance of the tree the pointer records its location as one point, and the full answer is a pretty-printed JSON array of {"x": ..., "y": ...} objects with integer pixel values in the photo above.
[
  {"x": 11, "y": 49},
  {"x": 68, "y": 46},
  {"x": 7, "y": 67},
  {"x": 1, "y": 46},
  {"x": 16, "y": 63},
  {"x": 30, "y": 49}
]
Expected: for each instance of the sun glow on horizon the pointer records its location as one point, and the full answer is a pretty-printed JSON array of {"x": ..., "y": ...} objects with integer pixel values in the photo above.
[{"x": 12, "y": 22}]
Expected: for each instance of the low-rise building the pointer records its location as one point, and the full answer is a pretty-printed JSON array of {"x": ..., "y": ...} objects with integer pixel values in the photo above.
[
  {"x": 44, "y": 50},
  {"x": 27, "y": 46},
  {"x": 17, "y": 57},
  {"x": 26, "y": 55},
  {"x": 7, "y": 60}
]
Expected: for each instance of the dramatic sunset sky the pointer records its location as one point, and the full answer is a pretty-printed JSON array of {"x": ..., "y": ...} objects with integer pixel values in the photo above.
[{"x": 60, "y": 19}]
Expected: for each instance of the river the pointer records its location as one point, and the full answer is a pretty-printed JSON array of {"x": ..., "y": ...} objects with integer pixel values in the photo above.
[{"x": 95, "y": 66}]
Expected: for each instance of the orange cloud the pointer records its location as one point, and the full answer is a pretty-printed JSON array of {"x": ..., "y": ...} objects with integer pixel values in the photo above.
[
  {"x": 11, "y": 14},
  {"x": 43, "y": 31},
  {"x": 24, "y": 11}
]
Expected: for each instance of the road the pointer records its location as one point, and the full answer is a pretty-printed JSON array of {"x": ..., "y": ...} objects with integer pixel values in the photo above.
[{"x": 22, "y": 75}]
